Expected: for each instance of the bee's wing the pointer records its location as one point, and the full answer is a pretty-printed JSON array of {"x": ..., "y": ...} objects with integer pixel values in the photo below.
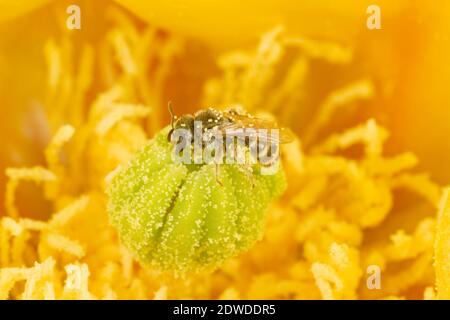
[
  {"x": 249, "y": 121},
  {"x": 286, "y": 135},
  {"x": 240, "y": 121},
  {"x": 263, "y": 133}
]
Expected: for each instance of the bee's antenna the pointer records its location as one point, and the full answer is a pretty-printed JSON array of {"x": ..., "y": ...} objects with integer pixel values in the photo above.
[{"x": 172, "y": 116}]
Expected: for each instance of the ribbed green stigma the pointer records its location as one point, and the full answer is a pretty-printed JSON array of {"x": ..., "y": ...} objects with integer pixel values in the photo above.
[{"x": 177, "y": 217}]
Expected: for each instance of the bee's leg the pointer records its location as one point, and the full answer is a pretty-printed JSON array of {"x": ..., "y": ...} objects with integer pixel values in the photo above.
[
  {"x": 218, "y": 175},
  {"x": 248, "y": 170},
  {"x": 250, "y": 176}
]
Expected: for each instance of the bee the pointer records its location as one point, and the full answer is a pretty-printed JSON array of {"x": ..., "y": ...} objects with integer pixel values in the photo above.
[{"x": 233, "y": 124}]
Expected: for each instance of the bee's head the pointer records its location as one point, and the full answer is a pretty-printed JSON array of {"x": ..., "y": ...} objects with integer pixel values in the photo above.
[{"x": 183, "y": 122}]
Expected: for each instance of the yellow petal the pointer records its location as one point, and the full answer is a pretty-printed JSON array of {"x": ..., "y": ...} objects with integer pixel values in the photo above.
[
  {"x": 11, "y": 9},
  {"x": 223, "y": 22}
]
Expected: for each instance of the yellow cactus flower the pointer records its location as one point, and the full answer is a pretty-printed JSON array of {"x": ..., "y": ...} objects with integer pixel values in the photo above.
[{"x": 92, "y": 207}]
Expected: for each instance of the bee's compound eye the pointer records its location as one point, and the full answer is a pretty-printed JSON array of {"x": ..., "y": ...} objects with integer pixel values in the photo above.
[{"x": 169, "y": 135}]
